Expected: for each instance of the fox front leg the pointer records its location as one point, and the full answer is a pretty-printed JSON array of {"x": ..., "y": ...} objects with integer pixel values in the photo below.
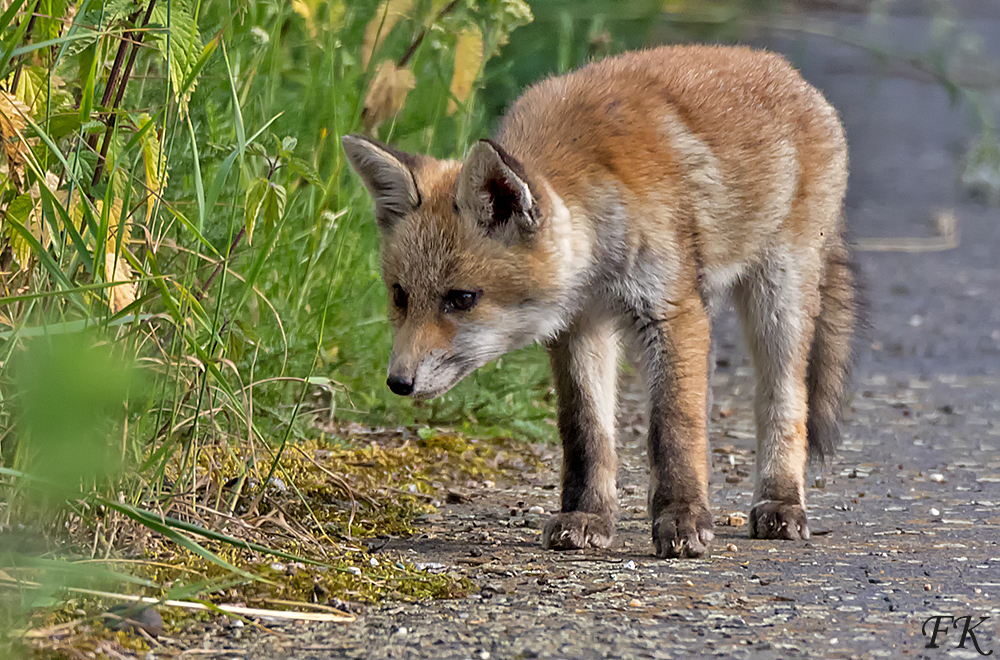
[
  {"x": 673, "y": 351},
  {"x": 584, "y": 367}
]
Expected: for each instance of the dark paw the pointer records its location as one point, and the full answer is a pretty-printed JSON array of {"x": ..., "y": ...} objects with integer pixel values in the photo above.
[
  {"x": 778, "y": 520},
  {"x": 577, "y": 529},
  {"x": 682, "y": 530}
]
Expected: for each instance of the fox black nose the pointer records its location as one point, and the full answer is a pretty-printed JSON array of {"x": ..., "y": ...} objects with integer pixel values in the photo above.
[{"x": 400, "y": 386}]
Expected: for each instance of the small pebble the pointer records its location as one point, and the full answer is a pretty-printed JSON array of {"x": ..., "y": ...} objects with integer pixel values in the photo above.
[
  {"x": 537, "y": 510},
  {"x": 635, "y": 602},
  {"x": 401, "y": 631},
  {"x": 373, "y": 562},
  {"x": 927, "y": 587},
  {"x": 489, "y": 484},
  {"x": 484, "y": 655},
  {"x": 934, "y": 512},
  {"x": 688, "y": 583},
  {"x": 731, "y": 547},
  {"x": 937, "y": 477},
  {"x": 629, "y": 565},
  {"x": 354, "y": 570}
]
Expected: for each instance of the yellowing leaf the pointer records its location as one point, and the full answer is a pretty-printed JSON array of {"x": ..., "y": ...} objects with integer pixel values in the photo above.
[
  {"x": 12, "y": 122},
  {"x": 386, "y": 17},
  {"x": 387, "y": 93},
  {"x": 468, "y": 60},
  {"x": 34, "y": 87},
  {"x": 156, "y": 166},
  {"x": 512, "y": 14},
  {"x": 12, "y": 115},
  {"x": 26, "y": 210},
  {"x": 117, "y": 269},
  {"x": 305, "y": 10},
  {"x": 251, "y": 207},
  {"x": 116, "y": 266},
  {"x": 310, "y": 11},
  {"x": 20, "y": 211},
  {"x": 335, "y": 11}
]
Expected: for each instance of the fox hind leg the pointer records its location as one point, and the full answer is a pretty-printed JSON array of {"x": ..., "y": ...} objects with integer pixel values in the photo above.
[
  {"x": 585, "y": 368},
  {"x": 777, "y": 302}
]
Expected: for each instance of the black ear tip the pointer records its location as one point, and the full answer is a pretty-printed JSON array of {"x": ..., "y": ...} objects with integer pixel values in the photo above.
[{"x": 490, "y": 144}]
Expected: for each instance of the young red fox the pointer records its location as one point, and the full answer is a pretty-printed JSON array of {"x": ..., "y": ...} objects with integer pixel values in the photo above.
[{"x": 622, "y": 201}]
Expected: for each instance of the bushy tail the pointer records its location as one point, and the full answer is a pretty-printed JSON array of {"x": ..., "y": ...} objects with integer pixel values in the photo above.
[{"x": 830, "y": 355}]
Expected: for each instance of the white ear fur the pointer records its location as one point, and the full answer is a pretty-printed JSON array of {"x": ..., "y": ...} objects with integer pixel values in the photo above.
[
  {"x": 389, "y": 179},
  {"x": 495, "y": 194}
]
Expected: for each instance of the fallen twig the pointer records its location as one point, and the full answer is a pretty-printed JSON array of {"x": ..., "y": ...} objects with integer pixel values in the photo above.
[
  {"x": 944, "y": 223},
  {"x": 326, "y": 617}
]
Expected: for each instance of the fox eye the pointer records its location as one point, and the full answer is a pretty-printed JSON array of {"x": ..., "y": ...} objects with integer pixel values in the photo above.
[
  {"x": 399, "y": 297},
  {"x": 458, "y": 300}
]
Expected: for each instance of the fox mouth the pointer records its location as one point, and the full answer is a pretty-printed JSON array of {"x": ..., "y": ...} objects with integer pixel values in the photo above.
[
  {"x": 442, "y": 380},
  {"x": 439, "y": 372},
  {"x": 431, "y": 393}
]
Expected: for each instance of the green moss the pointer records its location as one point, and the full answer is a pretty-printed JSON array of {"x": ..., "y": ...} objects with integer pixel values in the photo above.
[{"x": 381, "y": 484}]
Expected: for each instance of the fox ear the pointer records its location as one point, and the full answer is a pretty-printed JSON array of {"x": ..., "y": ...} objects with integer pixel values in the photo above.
[
  {"x": 494, "y": 189},
  {"x": 388, "y": 175}
]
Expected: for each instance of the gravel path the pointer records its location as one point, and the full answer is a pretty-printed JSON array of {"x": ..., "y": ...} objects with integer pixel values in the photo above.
[{"x": 906, "y": 518}]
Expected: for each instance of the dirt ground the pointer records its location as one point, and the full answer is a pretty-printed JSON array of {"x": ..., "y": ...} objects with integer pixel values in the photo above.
[{"x": 906, "y": 518}]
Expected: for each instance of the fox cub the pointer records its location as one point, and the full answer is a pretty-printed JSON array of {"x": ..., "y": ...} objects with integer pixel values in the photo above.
[{"x": 620, "y": 203}]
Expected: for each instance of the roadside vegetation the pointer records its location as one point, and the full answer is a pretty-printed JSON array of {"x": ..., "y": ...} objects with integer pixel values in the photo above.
[{"x": 192, "y": 333}]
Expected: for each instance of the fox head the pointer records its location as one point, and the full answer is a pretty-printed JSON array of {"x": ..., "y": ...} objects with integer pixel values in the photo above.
[{"x": 467, "y": 259}]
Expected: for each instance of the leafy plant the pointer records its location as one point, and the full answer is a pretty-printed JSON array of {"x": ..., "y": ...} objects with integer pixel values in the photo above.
[{"x": 173, "y": 197}]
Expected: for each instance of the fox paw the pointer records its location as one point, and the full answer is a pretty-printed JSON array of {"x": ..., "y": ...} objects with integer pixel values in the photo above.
[
  {"x": 682, "y": 530},
  {"x": 778, "y": 520},
  {"x": 578, "y": 529}
]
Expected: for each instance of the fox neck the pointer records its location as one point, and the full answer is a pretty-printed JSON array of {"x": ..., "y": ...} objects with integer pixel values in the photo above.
[{"x": 565, "y": 244}]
